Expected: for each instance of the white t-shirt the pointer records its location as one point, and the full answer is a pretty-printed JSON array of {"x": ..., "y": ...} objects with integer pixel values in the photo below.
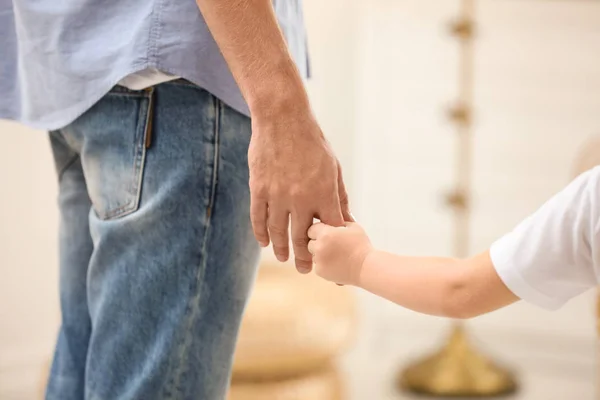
[
  {"x": 146, "y": 78},
  {"x": 553, "y": 255}
]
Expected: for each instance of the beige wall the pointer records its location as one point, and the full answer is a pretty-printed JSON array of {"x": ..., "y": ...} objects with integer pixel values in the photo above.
[
  {"x": 536, "y": 101},
  {"x": 29, "y": 313}
]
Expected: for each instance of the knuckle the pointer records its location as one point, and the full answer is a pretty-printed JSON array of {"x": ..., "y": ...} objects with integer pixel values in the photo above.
[
  {"x": 300, "y": 242},
  {"x": 318, "y": 248},
  {"x": 344, "y": 198},
  {"x": 278, "y": 191},
  {"x": 261, "y": 235},
  {"x": 261, "y": 192},
  {"x": 303, "y": 259},
  {"x": 297, "y": 192},
  {"x": 329, "y": 187},
  {"x": 258, "y": 220},
  {"x": 278, "y": 231},
  {"x": 304, "y": 256},
  {"x": 258, "y": 228}
]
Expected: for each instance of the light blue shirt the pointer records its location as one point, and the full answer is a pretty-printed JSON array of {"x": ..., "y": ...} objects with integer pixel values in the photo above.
[{"x": 59, "y": 57}]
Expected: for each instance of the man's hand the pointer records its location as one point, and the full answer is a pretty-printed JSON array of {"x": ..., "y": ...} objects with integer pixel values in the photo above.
[
  {"x": 293, "y": 173},
  {"x": 339, "y": 253}
]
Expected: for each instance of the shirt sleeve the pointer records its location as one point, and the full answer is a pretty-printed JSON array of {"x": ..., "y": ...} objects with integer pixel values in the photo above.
[{"x": 552, "y": 256}]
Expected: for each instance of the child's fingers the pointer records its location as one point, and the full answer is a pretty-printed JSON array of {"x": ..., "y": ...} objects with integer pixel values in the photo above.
[
  {"x": 315, "y": 231},
  {"x": 311, "y": 246}
]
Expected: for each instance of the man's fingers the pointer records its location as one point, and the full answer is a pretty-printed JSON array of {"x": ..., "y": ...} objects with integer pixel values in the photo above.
[
  {"x": 300, "y": 225},
  {"x": 346, "y": 214},
  {"x": 258, "y": 217},
  {"x": 278, "y": 230},
  {"x": 345, "y": 207},
  {"x": 331, "y": 213},
  {"x": 343, "y": 195}
]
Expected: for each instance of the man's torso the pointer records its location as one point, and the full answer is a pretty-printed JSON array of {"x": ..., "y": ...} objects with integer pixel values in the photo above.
[{"x": 59, "y": 58}]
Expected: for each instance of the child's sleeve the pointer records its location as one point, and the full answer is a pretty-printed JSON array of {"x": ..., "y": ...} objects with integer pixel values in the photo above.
[{"x": 552, "y": 256}]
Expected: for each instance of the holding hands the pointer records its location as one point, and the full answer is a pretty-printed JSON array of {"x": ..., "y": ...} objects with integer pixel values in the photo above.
[{"x": 339, "y": 252}]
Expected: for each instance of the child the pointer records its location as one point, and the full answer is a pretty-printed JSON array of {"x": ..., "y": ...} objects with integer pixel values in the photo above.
[{"x": 550, "y": 257}]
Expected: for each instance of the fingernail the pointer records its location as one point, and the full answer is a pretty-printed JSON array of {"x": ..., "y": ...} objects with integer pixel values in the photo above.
[
  {"x": 281, "y": 258},
  {"x": 263, "y": 244},
  {"x": 303, "y": 270}
]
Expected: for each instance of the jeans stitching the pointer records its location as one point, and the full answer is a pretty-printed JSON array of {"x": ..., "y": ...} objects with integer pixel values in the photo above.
[
  {"x": 122, "y": 91},
  {"x": 139, "y": 162},
  {"x": 215, "y": 176},
  {"x": 67, "y": 166},
  {"x": 57, "y": 135},
  {"x": 194, "y": 302}
]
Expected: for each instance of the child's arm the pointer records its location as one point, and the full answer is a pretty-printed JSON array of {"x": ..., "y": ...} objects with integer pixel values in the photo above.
[
  {"x": 549, "y": 258},
  {"x": 431, "y": 285},
  {"x": 438, "y": 286}
]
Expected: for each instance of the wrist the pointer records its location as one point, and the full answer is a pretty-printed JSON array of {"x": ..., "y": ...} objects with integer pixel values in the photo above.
[
  {"x": 361, "y": 267},
  {"x": 281, "y": 94}
]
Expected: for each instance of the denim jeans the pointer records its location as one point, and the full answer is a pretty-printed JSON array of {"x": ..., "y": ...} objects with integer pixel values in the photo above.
[{"x": 157, "y": 256}]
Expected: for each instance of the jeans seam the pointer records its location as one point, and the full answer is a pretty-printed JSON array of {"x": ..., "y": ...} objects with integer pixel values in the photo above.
[
  {"x": 59, "y": 136},
  {"x": 67, "y": 166},
  {"x": 117, "y": 91},
  {"x": 215, "y": 175},
  {"x": 194, "y": 302}
]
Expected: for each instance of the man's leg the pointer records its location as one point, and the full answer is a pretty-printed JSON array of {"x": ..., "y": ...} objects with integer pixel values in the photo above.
[
  {"x": 174, "y": 256},
  {"x": 68, "y": 368}
]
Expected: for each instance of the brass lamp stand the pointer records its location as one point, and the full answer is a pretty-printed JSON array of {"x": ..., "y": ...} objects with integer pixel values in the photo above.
[{"x": 458, "y": 369}]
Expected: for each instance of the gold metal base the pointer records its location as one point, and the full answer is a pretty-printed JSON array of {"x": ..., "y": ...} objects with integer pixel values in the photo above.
[{"x": 457, "y": 370}]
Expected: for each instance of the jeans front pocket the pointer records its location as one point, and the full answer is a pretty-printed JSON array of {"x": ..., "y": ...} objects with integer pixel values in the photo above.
[{"x": 114, "y": 135}]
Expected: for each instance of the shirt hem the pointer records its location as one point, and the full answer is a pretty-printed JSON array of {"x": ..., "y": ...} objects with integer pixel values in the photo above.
[{"x": 75, "y": 111}]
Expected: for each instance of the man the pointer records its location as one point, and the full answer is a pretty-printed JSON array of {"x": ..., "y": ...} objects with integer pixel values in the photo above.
[{"x": 148, "y": 104}]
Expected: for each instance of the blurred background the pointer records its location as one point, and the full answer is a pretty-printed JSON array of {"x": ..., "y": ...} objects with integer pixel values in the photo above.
[{"x": 385, "y": 73}]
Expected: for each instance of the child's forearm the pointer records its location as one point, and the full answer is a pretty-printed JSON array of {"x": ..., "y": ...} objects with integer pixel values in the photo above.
[
  {"x": 419, "y": 283},
  {"x": 436, "y": 285}
]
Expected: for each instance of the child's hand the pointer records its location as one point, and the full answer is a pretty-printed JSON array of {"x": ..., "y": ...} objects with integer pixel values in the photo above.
[{"x": 339, "y": 253}]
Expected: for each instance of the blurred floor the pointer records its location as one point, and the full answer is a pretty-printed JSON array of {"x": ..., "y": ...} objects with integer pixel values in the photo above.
[
  {"x": 549, "y": 368},
  {"x": 374, "y": 380}
]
